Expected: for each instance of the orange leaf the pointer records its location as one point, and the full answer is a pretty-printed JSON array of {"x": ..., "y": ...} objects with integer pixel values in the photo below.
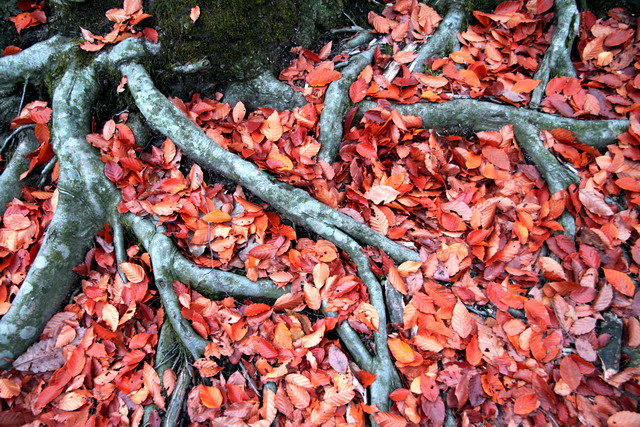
[
  {"x": 312, "y": 296},
  {"x": 381, "y": 194},
  {"x": 323, "y": 75},
  {"x": 299, "y": 380},
  {"x": 368, "y": 315},
  {"x": 397, "y": 281},
  {"x": 195, "y": 13},
  {"x": 217, "y": 217},
  {"x": 133, "y": 272},
  {"x": 8, "y": 388},
  {"x": 620, "y": 281},
  {"x": 282, "y": 336},
  {"x": 525, "y": 85},
  {"x": 169, "y": 380},
  {"x": 72, "y": 401},
  {"x": 385, "y": 419},
  {"x": 593, "y": 201},
  {"x": 211, "y": 397},
  {"x": 526, "y": 404},
  {"x": 401, "y": 350},
  {"x": 110, "y": 316},
  {"x": 433, "y": 81},
  {"x": 314, "y": 338},
  {"x": 628, "y": 183}
]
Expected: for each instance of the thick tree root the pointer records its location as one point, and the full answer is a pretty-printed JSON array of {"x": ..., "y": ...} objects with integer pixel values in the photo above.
[
  {"x": 557, "y": 176},
  {"x": 336, "y": 104},
  {"x": 264, "y": 91},
  {"x": 443, "y": 41},
  {"x": 470, "y": 115},
  {"x": 79, "y": 215},
  {"x": 557, "y": 58},
  {"x": 10, "y": 185},
  {"x": 29, "y": 64}
]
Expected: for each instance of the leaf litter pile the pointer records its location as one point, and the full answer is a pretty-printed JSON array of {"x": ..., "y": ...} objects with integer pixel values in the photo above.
[{"x": 505, "y": 318}]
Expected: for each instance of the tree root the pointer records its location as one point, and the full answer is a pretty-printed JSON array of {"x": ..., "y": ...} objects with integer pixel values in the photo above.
[
  {"x": 336, "y": 104},
  {"x": 30, "y": 63},
  {"x": 79, "y": 215},
  {"x": 557, "y": 176},
  {"x": 264, "y": 91},
  {"x": 478, "y": 116},
  {"x": 557, "y": 58},
  {"x": 444, "y": 40},
  {"x": 10, "y": 178}
]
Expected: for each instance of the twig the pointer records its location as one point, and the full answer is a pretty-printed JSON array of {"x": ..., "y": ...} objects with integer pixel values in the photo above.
[
  {"x": 46, "y": 170},
  {"x": 13, "y": 134},
  {"x": 24, "y": 92},
  {"x": 248, "y": 377}
]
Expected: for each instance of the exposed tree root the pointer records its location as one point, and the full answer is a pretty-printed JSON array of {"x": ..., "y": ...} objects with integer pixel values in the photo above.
[
  {"x": 557, "y": 58},
  {"x": 264, "y": 91},
  {"x": 444, "y": 40},
  {"x": 467, "y": 115},
  {"x": 336, "y": 104}
]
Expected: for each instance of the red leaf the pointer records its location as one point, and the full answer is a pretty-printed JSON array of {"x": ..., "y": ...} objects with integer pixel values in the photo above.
[
  {"x": 358, "y": 90},
  {"x": 265, "y": 251},
  {"x": 255, "y": 309},
  {"x": 570, "y": 372}
]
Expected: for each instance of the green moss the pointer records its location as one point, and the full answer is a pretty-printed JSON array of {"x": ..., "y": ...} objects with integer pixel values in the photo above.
[{"x": 237, "y": 37}]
